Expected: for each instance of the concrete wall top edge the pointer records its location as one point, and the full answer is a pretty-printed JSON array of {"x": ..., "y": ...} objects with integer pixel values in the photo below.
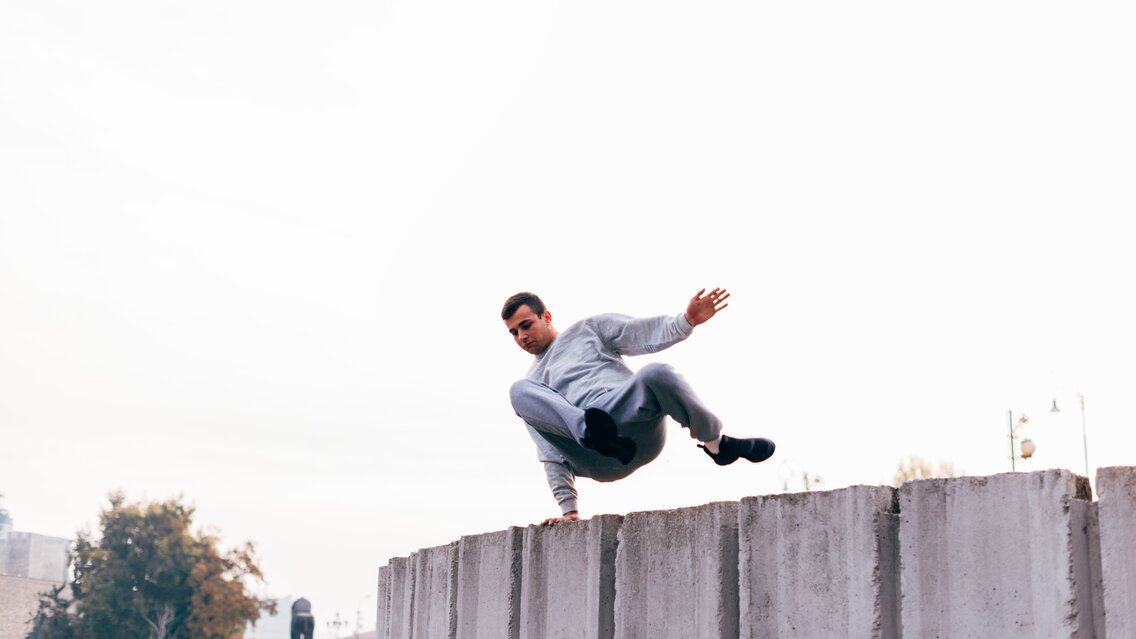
[
  {"x": 1077, "y": 486},
  {"x": 682, "y": 510},
  {"x": 886, "y": 497},
  {"x": 1111, "y": 478}
]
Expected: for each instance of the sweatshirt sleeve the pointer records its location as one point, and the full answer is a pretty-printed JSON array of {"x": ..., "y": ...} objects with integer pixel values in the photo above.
[
  {"x": 631, "y": 336},
  {"x": 561, "y": 479}
]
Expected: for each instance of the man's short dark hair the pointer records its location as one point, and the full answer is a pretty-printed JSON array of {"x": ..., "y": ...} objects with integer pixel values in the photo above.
[{"x": 522, "y": 299}]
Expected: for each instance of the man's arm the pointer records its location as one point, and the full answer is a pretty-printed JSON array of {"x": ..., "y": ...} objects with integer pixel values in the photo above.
[
  {"x": 561, "y": 479},
  {"x": 628, "y": 336}
]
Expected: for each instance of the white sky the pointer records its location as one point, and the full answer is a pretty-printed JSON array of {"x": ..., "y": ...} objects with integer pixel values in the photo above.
[{"x": 254, "y": 253}]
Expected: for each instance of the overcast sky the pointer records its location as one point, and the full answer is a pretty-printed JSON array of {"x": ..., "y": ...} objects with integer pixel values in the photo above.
[{"x": 253, "y": 253}]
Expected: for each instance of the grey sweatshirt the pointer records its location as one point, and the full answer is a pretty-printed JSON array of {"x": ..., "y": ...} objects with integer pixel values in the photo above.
[{"x": 582, "y": 363}]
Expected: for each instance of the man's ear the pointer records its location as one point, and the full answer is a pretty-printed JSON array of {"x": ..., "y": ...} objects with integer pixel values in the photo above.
[{"x": 547, "y": 317}]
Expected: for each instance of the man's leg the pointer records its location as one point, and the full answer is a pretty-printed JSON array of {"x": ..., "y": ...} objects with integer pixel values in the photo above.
[
  {"x": 549, "y": 412},
  {"x": 658, "y": 390}
]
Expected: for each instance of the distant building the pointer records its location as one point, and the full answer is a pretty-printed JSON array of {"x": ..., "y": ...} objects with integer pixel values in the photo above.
[
  {"x": 32, "y": 556},
  {"x": 30, "y": 565}
]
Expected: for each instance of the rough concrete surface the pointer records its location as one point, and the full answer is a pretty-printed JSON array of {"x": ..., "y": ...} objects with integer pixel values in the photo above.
[
  {"x": 568, "y": 580},
  {"x": 382, "y": 605},
  {"x": 489, "y": 585},
  {"x": 820, "y": 564},
  {"x": 1117, "y": 510},
  {"x": 676, "y": 574},
  {"x": 433, "y": 609},
  {"x": 399, "y": 594},
  {"x": 1000, "y": 556}
]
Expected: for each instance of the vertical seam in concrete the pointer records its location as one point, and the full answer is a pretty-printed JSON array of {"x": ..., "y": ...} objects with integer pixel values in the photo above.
[
  {"x": 1096, "y": 576},
  {"x": 452, "y": 593},
  {"x": 608, "y": 532},
  {"x": 729, "y": 600},
  {"x": 513, "y": 545},
  {"x": 1079, "y": 607},
  {"x": 538, "y": 589},
  {"x": 888, "y": 610},
  {"x": 412, "y": 582}
]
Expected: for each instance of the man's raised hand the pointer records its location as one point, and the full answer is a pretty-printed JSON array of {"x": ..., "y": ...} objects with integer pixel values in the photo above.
[{"x": 704, "y": 305}]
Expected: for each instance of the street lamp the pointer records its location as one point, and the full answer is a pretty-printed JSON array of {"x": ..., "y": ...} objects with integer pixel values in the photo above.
[
  {"x": 1084, "y": 431},
  {"x": 1028, "y": 448}
]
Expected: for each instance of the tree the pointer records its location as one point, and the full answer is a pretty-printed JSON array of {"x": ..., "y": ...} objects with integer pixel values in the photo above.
[
  {"x": 915, "y": 467},
  {"x": 148, "y": 577}
]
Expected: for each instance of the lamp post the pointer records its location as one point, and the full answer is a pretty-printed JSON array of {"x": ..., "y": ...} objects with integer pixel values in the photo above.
[{"x": 1084, "y": 431}]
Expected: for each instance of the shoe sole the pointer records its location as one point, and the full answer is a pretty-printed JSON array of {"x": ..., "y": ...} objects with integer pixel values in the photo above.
[
  {"x": 760, "y": 458},
  {"x": 602, "y": 435},
  {"x": 724, "y": 459}
]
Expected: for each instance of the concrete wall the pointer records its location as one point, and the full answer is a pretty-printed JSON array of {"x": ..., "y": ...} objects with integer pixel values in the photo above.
[
  {"x": 678, "y": 560},
  {"x": 489, "y": 585},
  {"x": 568, "y": 580},
  {"x": 1117, "y": 517},
  {"x": 1012, "y": 555},
  {"x": 826, "y": 551},
  {"x": 1003, "y": 556}
]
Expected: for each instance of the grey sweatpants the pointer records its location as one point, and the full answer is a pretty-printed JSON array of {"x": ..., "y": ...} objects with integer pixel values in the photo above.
[{"x": 638, "y": 407}]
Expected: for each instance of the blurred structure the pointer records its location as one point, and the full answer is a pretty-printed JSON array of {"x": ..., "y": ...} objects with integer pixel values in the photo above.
[{"x": 30, "y": 564}]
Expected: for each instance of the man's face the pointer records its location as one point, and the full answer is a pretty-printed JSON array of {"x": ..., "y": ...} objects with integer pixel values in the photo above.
[{"x": 532, "y": 332}]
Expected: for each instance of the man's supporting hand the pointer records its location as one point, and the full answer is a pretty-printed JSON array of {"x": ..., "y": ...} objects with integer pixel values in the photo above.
[
  {"x": 703, "y": 307},
  {"x": 552, "y": 521}
]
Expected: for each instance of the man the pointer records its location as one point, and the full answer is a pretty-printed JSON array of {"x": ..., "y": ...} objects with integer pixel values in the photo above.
[{"x": 590, "y": 415}]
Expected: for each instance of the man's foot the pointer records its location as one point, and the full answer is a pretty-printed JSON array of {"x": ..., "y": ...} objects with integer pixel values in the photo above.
[
  {"x": 730, "y": 449},
  {"x": 602, "y": 436}
]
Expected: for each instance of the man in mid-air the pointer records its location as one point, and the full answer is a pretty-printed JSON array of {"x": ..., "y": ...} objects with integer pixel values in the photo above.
[{"x": 590, "y": 415}]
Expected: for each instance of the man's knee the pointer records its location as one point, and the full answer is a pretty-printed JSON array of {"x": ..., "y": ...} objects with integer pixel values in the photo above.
[
  {"x": 658, "y": 374},
  {"x": 518, "y": 392}
]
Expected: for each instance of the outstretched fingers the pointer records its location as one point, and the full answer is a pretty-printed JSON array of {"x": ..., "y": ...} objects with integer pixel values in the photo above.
[
  {"x": 718, "y": 298},
  {"x": 704, "y": 305}
]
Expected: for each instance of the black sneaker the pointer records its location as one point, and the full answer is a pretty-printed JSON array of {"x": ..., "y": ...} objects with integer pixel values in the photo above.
[
  {"x": 602, "y": 435},
  {"x": 730, "y": 449}
]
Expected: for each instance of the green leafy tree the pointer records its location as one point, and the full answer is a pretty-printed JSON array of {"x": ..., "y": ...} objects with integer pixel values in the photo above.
[{"x": 148, "y": 577}]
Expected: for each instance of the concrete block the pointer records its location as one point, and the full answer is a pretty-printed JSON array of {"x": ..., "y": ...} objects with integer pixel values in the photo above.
[
  {"x": 382, "y": 604},
  {"x": 1117, "y": 511},
  {"x": 819, "y": 564},
  {"x": 400, "y": 587},
  {"x": 676, "y": 573},
  {"x": 489, "y": 585},
  {"x": 568, "y": 580},
  {"x": 1003, "y": 556},
  {"x": 433, "y": 605}
]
